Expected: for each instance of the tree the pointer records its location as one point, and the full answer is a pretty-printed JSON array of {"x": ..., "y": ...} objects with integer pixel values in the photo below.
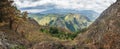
[
  {"x": 8, "y": 12},
  {"x": 25, "y": 14},
  {"x": 53, "y": 30}
]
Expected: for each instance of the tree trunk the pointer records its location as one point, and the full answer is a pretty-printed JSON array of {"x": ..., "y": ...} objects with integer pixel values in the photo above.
[
  {"x": 1, "y": 19},
  {"x": 17, "y": 25},
  {"x": 11, "y": 24}
]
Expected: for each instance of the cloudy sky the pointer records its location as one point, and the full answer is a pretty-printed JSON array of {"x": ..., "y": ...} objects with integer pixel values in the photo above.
[{"x": 36, "y": 6}]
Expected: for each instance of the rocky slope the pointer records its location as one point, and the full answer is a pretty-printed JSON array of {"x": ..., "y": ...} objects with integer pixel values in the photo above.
[
  {"x": 104, "y": 33},
  {"x": 23, "y": 36}
]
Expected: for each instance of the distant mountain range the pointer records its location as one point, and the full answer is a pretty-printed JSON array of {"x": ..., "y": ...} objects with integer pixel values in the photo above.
[
  {"x": 69, "y": 19},
  {"x": 92, "y": 15}
]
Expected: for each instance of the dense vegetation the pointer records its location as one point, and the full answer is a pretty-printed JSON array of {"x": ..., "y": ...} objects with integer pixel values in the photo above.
[
  {"x": 10, "y": 20},
  {"x": 56, "y": 32},
  {"x": 9, "y": 14},
  {"x": 19, "y": 47}
]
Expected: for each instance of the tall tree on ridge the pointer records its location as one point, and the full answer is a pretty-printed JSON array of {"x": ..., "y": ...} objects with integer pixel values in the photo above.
[{"x": 8, "y": 12}]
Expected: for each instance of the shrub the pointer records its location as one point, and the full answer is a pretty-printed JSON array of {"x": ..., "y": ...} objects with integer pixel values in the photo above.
[
  {"x": 53, "y": 30},
  {"x": 19, "y": 47}
]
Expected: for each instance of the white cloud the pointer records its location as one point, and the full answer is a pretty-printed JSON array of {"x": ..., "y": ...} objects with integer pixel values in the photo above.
[
  {"x": 34, "y": 10},
  {"x": 96, "y": 5}
]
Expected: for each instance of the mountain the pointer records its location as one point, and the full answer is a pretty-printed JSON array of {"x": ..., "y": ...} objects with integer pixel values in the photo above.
[
  {"x": 92, "y": 15},
  {"x": 60, "y": 11},
  {"x": 104, "y": 33},
  {"x": 35, "y": 15},
  {"x": 60, "y": 17},
  {"x": 72, "y": 22}
]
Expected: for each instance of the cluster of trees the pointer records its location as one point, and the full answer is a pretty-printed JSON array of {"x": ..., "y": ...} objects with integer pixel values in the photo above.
[
  {"x": 55, "y": 32},
  {"x": 9, "y": 13}
]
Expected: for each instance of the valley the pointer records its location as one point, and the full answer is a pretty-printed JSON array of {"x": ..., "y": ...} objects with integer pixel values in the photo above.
[
  {"x": 71, "y": 22},
  {"x": 62, "y": 30}
]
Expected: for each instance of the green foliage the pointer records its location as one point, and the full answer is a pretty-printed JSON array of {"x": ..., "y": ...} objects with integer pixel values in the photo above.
[
  {"x": 44, "y": 30},
  {"x": 55, "y": 32},
  {"x": 10, "y": 14},
  {"x": 19, "y": 47},
  {"x": 82, "y": 30}
]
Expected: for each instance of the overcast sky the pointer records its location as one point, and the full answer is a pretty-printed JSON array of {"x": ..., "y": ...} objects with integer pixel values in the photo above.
[{"x": 43, "y": 5}]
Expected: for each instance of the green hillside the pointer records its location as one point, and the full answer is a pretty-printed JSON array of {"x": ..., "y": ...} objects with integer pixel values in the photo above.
[{"x": 72, "y": 22}]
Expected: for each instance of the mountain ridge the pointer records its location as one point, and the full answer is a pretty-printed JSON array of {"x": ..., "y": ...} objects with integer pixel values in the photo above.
[
  {"x": 72, "y": 22},
  {"x": 104, "y": 32}
]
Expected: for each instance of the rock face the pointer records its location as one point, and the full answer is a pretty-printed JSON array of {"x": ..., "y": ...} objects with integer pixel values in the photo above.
[{"x": 104, "y": 33}]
